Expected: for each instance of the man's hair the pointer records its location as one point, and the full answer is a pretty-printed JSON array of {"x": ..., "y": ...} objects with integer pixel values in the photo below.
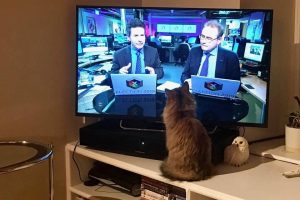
[
  {"x": 156, "y": 34},
  {"x": 134, "y": 23},
  {"x": 215, "y": 24}
]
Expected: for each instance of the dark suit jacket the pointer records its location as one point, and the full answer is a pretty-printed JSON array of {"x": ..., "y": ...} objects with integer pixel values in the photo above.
[
  {"x": 122, "y": 58},
  {"x": 228, "y": 66}
]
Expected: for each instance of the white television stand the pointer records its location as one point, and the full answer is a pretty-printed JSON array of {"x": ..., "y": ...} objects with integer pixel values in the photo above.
[{"x": 261, "y": 178}]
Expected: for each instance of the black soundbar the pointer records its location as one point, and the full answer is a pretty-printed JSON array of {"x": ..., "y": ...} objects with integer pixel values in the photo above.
[
  {"x": 130, "y": 139},
  {"x": 144, "y": 139}
]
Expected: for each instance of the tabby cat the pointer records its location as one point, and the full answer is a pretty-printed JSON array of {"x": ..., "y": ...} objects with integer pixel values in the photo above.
[{"x": 188, "y": 145}]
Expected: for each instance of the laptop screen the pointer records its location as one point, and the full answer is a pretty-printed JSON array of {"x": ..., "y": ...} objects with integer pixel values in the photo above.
[
  {"x": 217, "y": 87},
  {"x": 134, "y": 84}
]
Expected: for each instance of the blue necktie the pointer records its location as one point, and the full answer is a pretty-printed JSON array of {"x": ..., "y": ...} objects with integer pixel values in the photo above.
[
  {"x": 204, "y": 69},
  {"x": 138, "y": 66}
]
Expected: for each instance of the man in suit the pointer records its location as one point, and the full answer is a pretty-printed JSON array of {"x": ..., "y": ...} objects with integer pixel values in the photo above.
[
  {"x": 137, "y": 58},
  {"x": 209, "y": 59}
]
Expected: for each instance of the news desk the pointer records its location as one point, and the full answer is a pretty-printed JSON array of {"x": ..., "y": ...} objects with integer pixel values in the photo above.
[
  {"x": 100, "y": 99},
  {"x": 87, "y": 61},
  {"x": 255, "y": 86}
]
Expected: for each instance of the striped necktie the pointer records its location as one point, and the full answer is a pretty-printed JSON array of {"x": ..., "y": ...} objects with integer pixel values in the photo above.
[{"x": 138, "y": 66}]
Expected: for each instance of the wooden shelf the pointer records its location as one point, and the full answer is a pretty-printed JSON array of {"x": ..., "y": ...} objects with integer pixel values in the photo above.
[{"x": 100, "y": 191}]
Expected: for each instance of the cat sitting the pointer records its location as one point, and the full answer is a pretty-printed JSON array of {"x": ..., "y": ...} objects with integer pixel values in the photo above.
[{"x": 188, "y": 145}]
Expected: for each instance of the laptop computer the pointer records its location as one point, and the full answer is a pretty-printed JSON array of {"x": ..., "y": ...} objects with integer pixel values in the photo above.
[
  {"x": 215, "y": 87},
  {"x": 134, "y": 84}
]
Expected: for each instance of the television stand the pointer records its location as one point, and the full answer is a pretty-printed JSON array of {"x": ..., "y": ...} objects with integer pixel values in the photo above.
[
  {"x": 221, "y": 137},
  {"x": 229, "y": 182}
]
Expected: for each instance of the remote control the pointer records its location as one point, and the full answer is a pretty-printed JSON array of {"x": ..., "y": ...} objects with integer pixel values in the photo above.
[{"x": 292, "y": 173}]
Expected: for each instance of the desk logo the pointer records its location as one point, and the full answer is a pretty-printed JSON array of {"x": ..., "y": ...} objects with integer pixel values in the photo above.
[
  {"x": 134, "y": 83},
  {"x": 213, "y": 86}
]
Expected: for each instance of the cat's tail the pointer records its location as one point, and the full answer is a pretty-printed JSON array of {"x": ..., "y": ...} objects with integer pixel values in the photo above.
[
  {"x": 185, "y": 175},
  {"x": 166, "y": 172}
]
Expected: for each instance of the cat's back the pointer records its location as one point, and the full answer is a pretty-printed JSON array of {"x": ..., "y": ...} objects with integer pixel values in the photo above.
[
  {"x": 193, "y": 124},
  {"x": 188, "y": 129}
]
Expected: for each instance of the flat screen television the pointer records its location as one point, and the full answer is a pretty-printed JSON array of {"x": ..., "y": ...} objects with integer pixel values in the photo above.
[
  {"x": 235, "y": 47},
  {"x": 165, "y": 38},
  {"x": 79, "y": 48},
  {"x": 102, "y": 34},
  {"x": 254, "y": 52},
  {"x": 192, "y": 40},
  {"x": 94, "y": 43},
  {"x": 95, "y": 94}
]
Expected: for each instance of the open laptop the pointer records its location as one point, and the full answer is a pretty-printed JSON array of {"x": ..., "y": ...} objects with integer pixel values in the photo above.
[
  {"x": 215, "y": 87},
  {"x": 134, "y": 84}
]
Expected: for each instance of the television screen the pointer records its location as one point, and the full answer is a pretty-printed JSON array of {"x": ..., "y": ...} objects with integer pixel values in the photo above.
[
  {"x": 94, "y": 43},
  {"x": 165, "y": 38},
  {"x": 254, "y": 51},
  {"x": 192, "y": 40},
  {"x": 120, "y": 38},
  {"x": 79, "y": 48},
  {"x": 95, "y": 91},
  {"x": 227, "y": 45},
  {"x": 235, "y": 47}
]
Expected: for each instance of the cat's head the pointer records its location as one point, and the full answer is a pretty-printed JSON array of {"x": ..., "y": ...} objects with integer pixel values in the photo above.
[{"x": 180, "y": 96}]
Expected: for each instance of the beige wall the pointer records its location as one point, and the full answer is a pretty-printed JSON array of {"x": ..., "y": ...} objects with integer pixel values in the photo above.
[
  {"x": 37, "y": 94},
  {"x": 37, "y": 60}
]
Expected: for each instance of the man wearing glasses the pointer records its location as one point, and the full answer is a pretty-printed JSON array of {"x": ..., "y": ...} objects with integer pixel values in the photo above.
[{"x": 209, "y": 59}]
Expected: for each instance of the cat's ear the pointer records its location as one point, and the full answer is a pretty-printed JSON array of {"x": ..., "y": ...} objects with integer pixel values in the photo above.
[
  {"x": 185, "y": 87},
  {"x": 167, "y": 91}
]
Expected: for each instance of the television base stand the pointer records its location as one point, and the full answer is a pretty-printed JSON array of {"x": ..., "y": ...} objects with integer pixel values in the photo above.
[
  {"x": 221, "y": 137},
  {"x": 143, "y": 138}
]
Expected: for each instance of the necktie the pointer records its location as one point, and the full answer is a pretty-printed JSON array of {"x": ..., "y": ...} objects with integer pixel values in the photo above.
[
  {"x": 138, "y": 66},
  {"x": 204, "y": 69}
]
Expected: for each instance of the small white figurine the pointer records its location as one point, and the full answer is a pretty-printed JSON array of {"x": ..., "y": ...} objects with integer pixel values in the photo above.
[{"x": 237, "y": 153}]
